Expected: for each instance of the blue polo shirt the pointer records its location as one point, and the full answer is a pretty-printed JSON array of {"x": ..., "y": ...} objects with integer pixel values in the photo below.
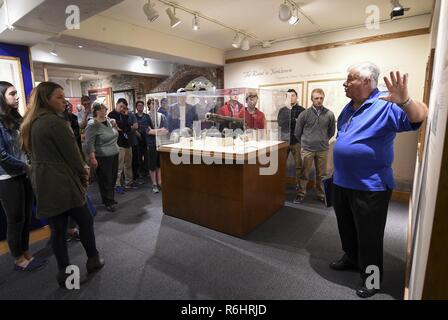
[{"x": 363, "y": 153}]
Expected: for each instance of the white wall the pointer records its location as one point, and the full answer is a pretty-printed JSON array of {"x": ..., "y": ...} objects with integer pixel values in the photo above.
[
  {"x": 72, "y": 88},
  {"x": 409, "y": 55},
  {"x": 424, "y": 205},
  {"x": 98, "y": 60}
]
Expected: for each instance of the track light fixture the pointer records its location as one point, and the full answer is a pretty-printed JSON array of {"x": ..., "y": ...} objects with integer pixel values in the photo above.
[
  {"x": 284, "y": 12},
  {"x": 245, "y": 45},
  {"x": 396, "y": 6},
  {"x": 236, "y": 43},
  {"x": 174, "y": 21},
  {"x": 294, "y": 18},
  {"x": 53, "y": 51},
  {"x": 150, "y": 12},
  {"x": 289, "y": 12},
  {"x": 195, "y": 26},
  {"x": 397, "y": 9},
  {"x": 145, "y": 62}
]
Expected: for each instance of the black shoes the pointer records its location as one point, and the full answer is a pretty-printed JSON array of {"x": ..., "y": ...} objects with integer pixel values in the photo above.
[
  {"x": 62, "y": 278},
  {"x": 110, "y": 208},
  {"x": 94, "y": 264},
  {"x": 363, "y": 292},
  {"x": 298, "y": 199},
  {"x": 343, "y": 264}
]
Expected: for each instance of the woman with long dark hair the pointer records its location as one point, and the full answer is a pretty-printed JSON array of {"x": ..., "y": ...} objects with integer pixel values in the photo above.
[
  {"x": 59, "y": 174},
  {"x": 16, "y": 194}
]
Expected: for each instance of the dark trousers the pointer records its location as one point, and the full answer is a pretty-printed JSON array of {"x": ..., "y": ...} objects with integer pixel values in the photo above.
[
  {"x": 106, "y": 172},
  {"x": 361, "y": 217},
  {"x": 16, "y": 197},
  {"x": 140, "y": 164},
  {"x": 58, "y": 225}
]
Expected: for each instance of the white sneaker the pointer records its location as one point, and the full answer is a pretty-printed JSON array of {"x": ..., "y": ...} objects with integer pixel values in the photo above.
[{"x": 155, "y": 189}]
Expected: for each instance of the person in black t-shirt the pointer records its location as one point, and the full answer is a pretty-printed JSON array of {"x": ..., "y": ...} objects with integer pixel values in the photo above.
[
  {"x": 286, "y": 119},
  {"x": 120, "y": 114}
]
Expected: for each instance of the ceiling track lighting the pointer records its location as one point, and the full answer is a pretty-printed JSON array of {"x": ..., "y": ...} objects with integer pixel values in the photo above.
[
  {"x": 289, "y": 12},
  {"x": 195, "y": 24},
  {"x": 145, "y": 62},
  {"x": 245, "y": 44},
  {"x": 236, "y": 43},
  {"x": 294, "y": 18},
  {"x": 54, "y": 52},
  {"x": 174, "y": 21},
  {"x": 397, "y": 9},
  {"x": 8, "y": 25},
  {"x": 284, "y": 12},
  {"x": 150, "y": 12}
]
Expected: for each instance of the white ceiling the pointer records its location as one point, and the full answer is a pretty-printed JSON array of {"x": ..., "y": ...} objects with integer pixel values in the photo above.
[
  {"x": 257, "y": 17},
  {"x": 56, "y": 71}
]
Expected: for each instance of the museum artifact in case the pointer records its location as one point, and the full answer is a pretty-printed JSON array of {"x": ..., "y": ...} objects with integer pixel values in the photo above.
[{"x": 223, "y": 156}]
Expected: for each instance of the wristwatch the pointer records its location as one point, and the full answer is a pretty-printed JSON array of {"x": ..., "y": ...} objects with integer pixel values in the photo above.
[{"x": 406, "y": 103}]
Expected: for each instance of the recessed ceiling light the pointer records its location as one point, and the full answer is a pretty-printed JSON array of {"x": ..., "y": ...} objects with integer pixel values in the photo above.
[{"x": 80, "y": 46}]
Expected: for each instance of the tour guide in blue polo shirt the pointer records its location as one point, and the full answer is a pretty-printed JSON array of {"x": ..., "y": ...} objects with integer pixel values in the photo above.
[{"x": 363, "y": 155}]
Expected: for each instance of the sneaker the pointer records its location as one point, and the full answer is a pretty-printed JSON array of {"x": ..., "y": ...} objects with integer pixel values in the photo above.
[
  {"x": 321, "y": 199},
  {"x": 298, "y": 199},
  {"x": 110, "y": 208},
  {"x": 155, "y": 189},
  {"x": 131, "y": 186},
  {"x": 160, "y": 187},
  {"x": 119, "y": 189}
]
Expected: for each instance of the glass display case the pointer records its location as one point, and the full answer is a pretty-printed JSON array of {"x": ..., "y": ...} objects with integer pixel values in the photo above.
[{"x": 237, "y": 120}]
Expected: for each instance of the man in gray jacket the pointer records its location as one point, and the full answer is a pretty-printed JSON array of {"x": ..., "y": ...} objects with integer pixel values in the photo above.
[{"x": 314, "y": 129}]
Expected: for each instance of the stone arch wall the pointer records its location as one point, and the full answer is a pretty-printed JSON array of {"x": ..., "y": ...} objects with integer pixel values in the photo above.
[{"x": 184, "y": 74}]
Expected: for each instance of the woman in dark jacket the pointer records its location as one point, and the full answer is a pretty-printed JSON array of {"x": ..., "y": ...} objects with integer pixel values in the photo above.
[
  {"x": 59, "y": 174},
  {"x": 16, "y": 194}
]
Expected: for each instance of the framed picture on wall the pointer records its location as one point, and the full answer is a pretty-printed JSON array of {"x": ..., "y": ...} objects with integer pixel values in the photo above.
[
  {"x": 129, "y": 95},
  {"x": 11, "y": 71},
  {"x": 103, "y": 95},
  {"x": 335, "y": 98},
  {"x": 76, "y": 104},
  {"x": 298, "y": 86}
]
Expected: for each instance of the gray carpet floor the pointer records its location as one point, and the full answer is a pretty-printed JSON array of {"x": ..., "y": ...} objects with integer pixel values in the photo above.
[{"x": 153, "y": 256}]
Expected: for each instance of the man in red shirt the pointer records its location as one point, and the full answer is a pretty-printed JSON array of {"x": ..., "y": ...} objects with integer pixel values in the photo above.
[
  {"x": 231, "y": 108},
  {"x": 253, "y": 117}
]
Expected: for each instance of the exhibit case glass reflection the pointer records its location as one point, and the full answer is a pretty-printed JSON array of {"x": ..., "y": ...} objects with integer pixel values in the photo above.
[
  {"x": 223, "y": 155},
  {"x": 228, "y": 120}
]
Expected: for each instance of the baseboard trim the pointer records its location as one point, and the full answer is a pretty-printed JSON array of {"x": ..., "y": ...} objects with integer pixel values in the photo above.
[{"x": 35, "y": 236}]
